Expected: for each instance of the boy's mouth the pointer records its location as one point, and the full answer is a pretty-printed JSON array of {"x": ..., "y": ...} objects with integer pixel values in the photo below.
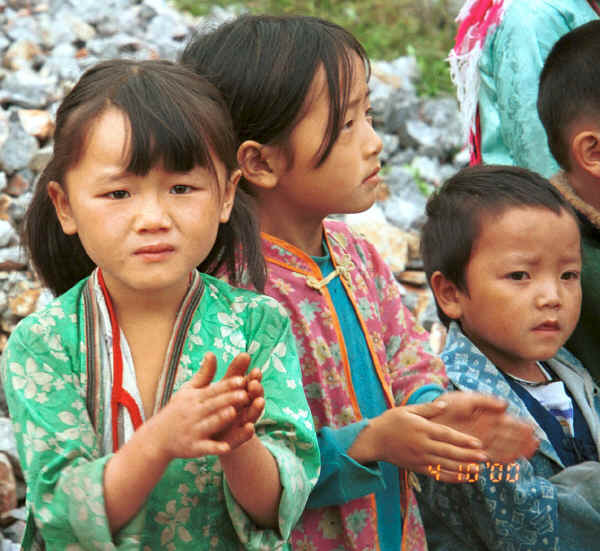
[{"x": 552, "y": 325}]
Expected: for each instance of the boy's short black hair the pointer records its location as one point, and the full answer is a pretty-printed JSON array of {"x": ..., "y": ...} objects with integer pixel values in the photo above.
[
  {"x": 455, "y": 213},
  {"x": 570, "y": 87}
]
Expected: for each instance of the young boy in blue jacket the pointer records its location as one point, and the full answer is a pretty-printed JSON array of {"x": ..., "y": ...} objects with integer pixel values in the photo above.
[{"x": 502, "y": 253}]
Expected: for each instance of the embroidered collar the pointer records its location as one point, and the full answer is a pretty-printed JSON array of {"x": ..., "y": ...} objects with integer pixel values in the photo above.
[
  {"x": 284, "y": 254},
  {"x": 102, "y": 348}
]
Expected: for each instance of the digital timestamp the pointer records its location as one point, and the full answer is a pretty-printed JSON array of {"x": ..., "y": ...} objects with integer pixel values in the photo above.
[{"x": 471, "y": 472}]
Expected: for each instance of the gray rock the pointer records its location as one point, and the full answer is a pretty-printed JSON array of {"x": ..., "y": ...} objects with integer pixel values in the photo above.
[
  {"x": 22, "y": 27},
  {"x": 12, "y": 258},
  {"x": 40, "y": 159},
  {"x": 28, "y": 89},
  {"x": 2, "y": 181},
  {"x": 66, "y": 68},
  {"x": 18, "y": 206},
  {"x": 8, "y": 235},
  {"x": 427, "y": 139},
  {"x": 390, "y": 145},
  {"x": 18, "y": 150},
  {"x": 401, "y": 108},
  {"x": 8, "y": 444},
  {"x": 4, "y": 42},
  {"x": 427, "y": 168}
]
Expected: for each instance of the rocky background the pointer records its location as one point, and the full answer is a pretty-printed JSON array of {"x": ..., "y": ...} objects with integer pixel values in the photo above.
[{"x": 44, "y": 47}]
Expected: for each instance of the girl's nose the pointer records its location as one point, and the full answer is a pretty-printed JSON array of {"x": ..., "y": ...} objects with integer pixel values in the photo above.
[
  {"x": 151, "y": 216},
  {"x": 374, "y": 143}
]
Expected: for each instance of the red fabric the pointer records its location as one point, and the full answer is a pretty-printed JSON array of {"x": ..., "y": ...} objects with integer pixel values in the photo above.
[
  {"x": 119, "y": 395},
  {"x": 474, "y": 27}
]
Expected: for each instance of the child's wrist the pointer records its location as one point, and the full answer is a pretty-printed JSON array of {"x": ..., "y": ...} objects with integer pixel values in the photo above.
[
  {"x": 151, "y": 444},
  {"x": 367, "y": 448}
]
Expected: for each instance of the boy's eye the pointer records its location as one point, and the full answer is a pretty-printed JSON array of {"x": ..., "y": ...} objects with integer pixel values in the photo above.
[
  {"x": 179, "y": 189},
  {"x": 118, "y": 194},
  {"x": 518, "y": 276},
  {"x": 570, "y": 275}
]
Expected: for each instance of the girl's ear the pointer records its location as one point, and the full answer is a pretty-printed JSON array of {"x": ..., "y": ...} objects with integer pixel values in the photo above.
[
  {"x": 62, "y": 207},
  {"x": 229, "y": 195},
  {"x": 261, "y": 165},
  {"x": 447, "y": 295},
  {"x": 585, "y": 149}
]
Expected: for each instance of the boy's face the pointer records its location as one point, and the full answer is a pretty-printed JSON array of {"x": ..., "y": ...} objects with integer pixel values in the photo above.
[{"x": 524, "y": 292}]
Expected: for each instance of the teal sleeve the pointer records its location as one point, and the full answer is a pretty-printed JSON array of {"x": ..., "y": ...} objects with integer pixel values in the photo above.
[
  {"x": 425, "y": 394},
  {"x": 342, "y": 479},
  {"x": 512, "y": 132}
]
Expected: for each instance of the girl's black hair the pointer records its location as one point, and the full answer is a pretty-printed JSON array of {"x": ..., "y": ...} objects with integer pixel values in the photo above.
[
  {"x": 175, "y": 117},
  {"x": 264, "y": 67}
]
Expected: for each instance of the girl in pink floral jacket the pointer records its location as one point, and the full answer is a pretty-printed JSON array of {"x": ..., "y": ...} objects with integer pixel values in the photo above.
[{"x": 297, "y": 90}]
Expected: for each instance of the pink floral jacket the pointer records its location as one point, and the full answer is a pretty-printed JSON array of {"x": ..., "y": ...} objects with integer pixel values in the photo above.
[{"x": 396, "y": 346}]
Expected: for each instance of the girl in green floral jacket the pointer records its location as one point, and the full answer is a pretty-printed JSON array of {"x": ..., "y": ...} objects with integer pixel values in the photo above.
[{"x": 154, "y": 406}]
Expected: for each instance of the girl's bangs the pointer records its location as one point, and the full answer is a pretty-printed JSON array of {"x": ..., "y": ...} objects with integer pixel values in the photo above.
[{"x": 167, "y": 131}]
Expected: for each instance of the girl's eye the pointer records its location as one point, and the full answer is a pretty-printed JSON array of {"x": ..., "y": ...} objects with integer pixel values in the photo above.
[
  {"x": 348, "y": 124},
  {"x": 118, "y": 194},
  {"x": 518, "y": 276},
  {"x": 570, "y": 275},
  {"x": 369, "y": 116},
  {"x": 179, "y": 189}
]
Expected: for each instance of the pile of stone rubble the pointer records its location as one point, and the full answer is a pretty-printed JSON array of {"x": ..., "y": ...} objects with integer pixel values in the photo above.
[{"x": 44, "y": 47}]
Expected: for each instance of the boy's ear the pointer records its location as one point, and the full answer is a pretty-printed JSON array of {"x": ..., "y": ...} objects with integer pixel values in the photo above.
[
  {"x": 447, "y": 295},
  {"x": 585, "y": 148},
  {"x": 62, "y": 207},
  {"x": 261, "y": 164}
]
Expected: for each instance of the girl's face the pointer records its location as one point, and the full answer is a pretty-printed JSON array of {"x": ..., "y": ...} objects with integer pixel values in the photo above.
[
  {"x": 146, "y": 233},
  {"x": 348, "y": 178}
]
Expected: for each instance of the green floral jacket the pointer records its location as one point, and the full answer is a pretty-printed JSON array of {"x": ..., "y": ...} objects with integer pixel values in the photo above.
[{"x": 50, "y": 374}]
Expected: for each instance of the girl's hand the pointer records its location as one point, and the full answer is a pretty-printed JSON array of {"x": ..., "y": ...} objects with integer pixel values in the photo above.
[
  {"x": 504, "y": 437},
  {"x": 189, "y": 424},
  {"x": 406, "y": 437},
  {"x": 242, "y": 428}
]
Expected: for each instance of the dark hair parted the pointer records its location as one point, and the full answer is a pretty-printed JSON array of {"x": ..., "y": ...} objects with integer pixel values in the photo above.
[
  {"x": 264, "y": 67},
  {"x": 570, "y": 87},
  {"x": 175, "y": 117},
  {"x": 456, "y": 212}
]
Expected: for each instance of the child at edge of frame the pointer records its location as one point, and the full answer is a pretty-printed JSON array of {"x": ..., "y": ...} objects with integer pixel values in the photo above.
[
  {"x": 154, "y": 405},
  {"x": 502, "y": 254},
  {"x": 297, "y": 89},
  {"x": 569, "y": 108}
]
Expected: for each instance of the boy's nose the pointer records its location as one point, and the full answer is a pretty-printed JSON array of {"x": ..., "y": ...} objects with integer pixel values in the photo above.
[{"x": 549, "y": 296}]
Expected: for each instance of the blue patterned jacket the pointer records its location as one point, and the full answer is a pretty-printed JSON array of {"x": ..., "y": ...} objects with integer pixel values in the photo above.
[{"x": 535, "y": 504}]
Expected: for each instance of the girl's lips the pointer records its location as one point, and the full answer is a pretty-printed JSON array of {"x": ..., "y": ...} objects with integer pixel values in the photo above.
[
  {"x": 374, "y": 176},
  {"x": 154, "y": 249},
  {"x": 154, "y": 253},
  {"x": 548, "y": 326}
]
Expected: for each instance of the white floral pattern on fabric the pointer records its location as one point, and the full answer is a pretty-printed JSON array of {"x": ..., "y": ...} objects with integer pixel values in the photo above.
[{"x": 44, "y": 373}]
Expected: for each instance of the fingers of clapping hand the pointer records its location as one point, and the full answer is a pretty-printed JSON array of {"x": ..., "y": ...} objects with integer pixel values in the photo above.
[
  {"x": 442, "y": 433},
  {"x": 206, "y": 373},
  {"x": 468, "y": 403},
  {"x": 510, "y": 438},
  {"x": 238, "y": 366}
]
